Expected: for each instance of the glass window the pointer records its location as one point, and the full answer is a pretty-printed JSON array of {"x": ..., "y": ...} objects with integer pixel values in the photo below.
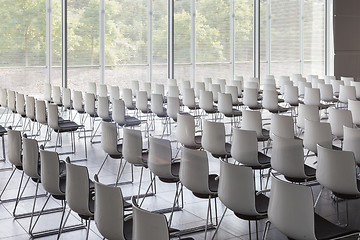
[{"x": 23, "y": 45}]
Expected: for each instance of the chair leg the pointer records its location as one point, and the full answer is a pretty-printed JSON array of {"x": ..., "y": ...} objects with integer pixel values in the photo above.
[
  {"x": 266, "y": 230},
  {"x": 88, "y": 229},
  {"x": 18, "y": 197},
  {"x": 207, "y": 215},
  {"x": 37, "y": 219},
  {"x": 141, "y": 174},
  {"x": 7, "y": 183},
  {"x": 33, "y": 209},
  {"x": 62, "y": 219},
  {"x": 318, "y": 197},
  {"x": 176, "y": 197},
  {"x": 102, "y": 164},
  {"x": 218, "y": 225}
]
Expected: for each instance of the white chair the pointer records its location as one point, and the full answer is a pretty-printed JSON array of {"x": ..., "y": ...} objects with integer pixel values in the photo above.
[
  {"x": 102, "y": 90},
  {"x": 234, "y": 95},
  {"x": 208, "y": 83},
  {"x": 172, "y": 82},
  {"x": 91, "y": 88},
  {"x": 312, "y": 97},
  {"x": 173, "y": 91},
  {"x": 250, "y": 99},
  {"x": 309, "y": 112},
  {"x": 251, "y": 120},
  {"x": 270, "y": 102},
  {"x": 103, "y": 109},
  {"x": 119, "y": 116},
  {"x": 282, "y": 126},
  {"x": 225, "y": 107},
  {"x": 199, "y": 86},
  {"x": 347, "y": 92},
  {"x": 222, "y": 83},
  {"x": 216, "y": 89},
  {"x": 240, "y": 86},
  {"x": 147, "y": 87},
  {"x": 291, "y": 95},
  {"x": 78, "y": 103},
  {"x": 206, "y": 102},
  {"x": 47, "y": 92},
  {"x": 339, "y": 118},
  {"x": 302, "y": 85},
  {"x": 347, "y": 80},
  {"x": 336, "y": 86},
  {"x": 127, "y": 97},
  {"x": 351, "y": 142},
  {"x": 114, "y": 93},
  {"x": 291, "y": 211},
  {"x": 354, "y": 107},
  {"x": 326, "y": 93},
  {"x": 67, "y": 102},
  {"x": 189, "y": 99},
  {"x": 328, "y": 79},
  {"x": 159, "y": 89},
  {"x": 134, "y": 86},
  {"x": 185, "y": 131},
  {"x": 173, "y": 108},
  {"x": 357, "y": 89},
  {"x": 56, "y": 96}
]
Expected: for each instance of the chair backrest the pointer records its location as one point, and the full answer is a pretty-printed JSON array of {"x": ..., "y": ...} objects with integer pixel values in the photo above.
[
  {"x": 222, "y": 83},
  {"x": 239, "y": 78},
  {"x": 172, "y": 82},
  {"x": 336, "y": 170},
  {"x": 291, "y": 209},
  {"x": 208, "y": 83},
  {"x": 328, "y": 79},
  {"x": 102, "y": 90},
  {"x": 92, "y": 88},
  {"x": 237, "y": 188},
  {"x": 31, "y": 158},
  {"x": 90, "y": 103},
  {"x": 50, "y": 172},
  {"x": 216, "y": 89},
  {"x": 317, "y": 132},
  {"x": 225, "y": 103},
  {"x": 78, "y": 189},
  {"x": 199, "y": 86},
  {"x": 357, "y": 88},
  {"x": 114, "y": 93},
  {"x": 189, "y": 97},
  {"x": 30, "y": 107},
  {"x": 56, "y": 93},
  {"x": 109, "y": 138},
  {"x": 20, "y": 104},
  {"x": 268, "y": 86},
  {"x": 312, "y": 96},
  {"x": 253, "y": 85},
  {"x": 185, "y": 131},
  {"x": 244, "y": 147},
  {"x": 40, "y": 111},
  {"x": 354, "y": 107},
  {"x": 339, "y": 118},
  {"x": 14, "y": 147},
  {"x": 173, "y": 91},
  {"x": 127, "y": 97},
  {"x": 142, "y": 101},
  {"x": 194, "y": 170},
  {"x": 234, "y": 93},
  {"x": 347, "y": 92},
  {"x": 282, "y": 126},
  {"x": 347, "y": 80},
  {"x": 173, "y": 107},
  {"x": 206, "y": 101},
  {"x": 270, "y": 100},
  {"x": 336, "y": 86},
  {"x": 291, "y": 94},
  {"x": 134, "y": 85},
  {"x": 213, "y": 138},
  {"x": 3, "y": 97},
  {"x": 47, "y": 92},
  {"x": 78, "y": 101},
  {"x": 351, "y": 142},
  {"x": 302, "y": 85},
  {"x": 159, "y": 89},
  {"x": 160, "y": 157},
  {"x": 157, "y": 105},
  {"x": 250, "y": 97},
  {"x": 251, "y": 120},
  {"x": 239, "y": 84},
  {"x": 132, "y": 146},
  {"x": 53, "y": 116},
  {"x": 326, "y": 92},
  {"x": 118, "y": 111},
  {"x": 287, "y": 157},
  {"x": 11, "y": 100},
  {"x": 144, "y": 223},
  {"x": 184, "y": 84},
  {"x": 67, "y": 98},
  {"x": 310, "y": 112},
  {"x": 103, "y": 108},
  {"x": 109, "y": 211},
  {"x": 315, "y": 82},
  {"x": 147, "y": 87}
]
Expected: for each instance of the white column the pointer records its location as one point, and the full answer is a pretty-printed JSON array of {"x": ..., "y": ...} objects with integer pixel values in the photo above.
[
  {"x": 232, "y": 39},
  {"x": 193, "y": 41},
  {"x": 48, "y": 41},
  {"x": 149, "y": 39},
  {"x": 102, "y": 41}
]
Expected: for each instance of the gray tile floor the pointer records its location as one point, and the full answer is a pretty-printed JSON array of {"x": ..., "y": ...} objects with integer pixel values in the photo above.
[{"x": 193, "y": 213}]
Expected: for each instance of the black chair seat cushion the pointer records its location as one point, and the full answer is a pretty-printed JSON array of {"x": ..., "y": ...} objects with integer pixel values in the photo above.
[
  {"x": 127, "y": 228},
  {"x": 327, "y": 230},
  {"x": 309, "y": 172},
  {"x": 175, "y": 169},
  {"x": 264, "y": 161},
  {"x": 197, "y": 145},
  {"x": 255, "y": 107},
  {"x": 162, "y": 114},
  {"x": 349, "y": 196},
  {"x": 132, "y": 121},
  {"x": 119, "y": 149},
  {"x": 261, "y": 204},
  {"x": 228, "y": 152},
  {"x": 67, "y": 126},
  {"x": 235, "y": 113}
]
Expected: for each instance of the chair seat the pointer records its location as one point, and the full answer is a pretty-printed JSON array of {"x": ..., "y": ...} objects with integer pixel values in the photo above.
[
  {"x": 280, "y": 109},
  {"x": 132, "y": 121},
  {"x": 261, "y": 204},
  {"x": 163, "y": 114},
  {"x": 235, "y": 113},
  {"x": 349, "y": 196},
  {"x": 175, "y": 169},
  {"x": 327, "y": 230},
  {"x": 225, "y": 155},
  {"x": 265, "y": 135},
  {"x": 264, "y": 160},
  {"x": 309, "y": 172},
  {"x": 197, "y": 141},
  {"x": 119, "y": 155},
  {"x": 255, "y": 107},
  {"x": 211, "y": 111},
  {"x": 67, "y": 126}
]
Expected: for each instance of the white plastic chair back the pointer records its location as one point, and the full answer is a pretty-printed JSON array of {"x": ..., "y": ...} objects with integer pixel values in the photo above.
[
  {"x": 30, "y": 107},
  {"x": 291, "y": 94},
  {"x": 326, "y": 92},
  {"x": 172, "y": 82},
  {"x": 208, "y": 83},
  {"x": 302, "y": 85},
  {"x": 251, "y": 121},
  {"x": 317, "y": 133},
  {"x": 160, "y": 157},
  {"x": 102, "y": 90},
  {"x": 244, "y": 147},
  {"x": 103, "y": 108},
  {"x": 234, "y": 93},
  {"x": 173, "y": 91},
  {"x": 14, "y": 147},
  {"x": 109, "y": 138},
  {"x": 109, "y": 211},
  {"x": 351, "y": 142},
  {"x": 134, "y": 86},
  {"x": 90, "y": 104},
  {"x": 225, "y": 103},
  {"x": 31, "y": 158},
  {"x": 185, "y": 131},
  {"x": 237, "y": 188},
  {"x": 270, "y": 100},
  {"x": 328, "y": 79},
  {"x": 142, "y": 101},
  {"x": 282, "y": 126},
  {"x": 253, "y": 85},
  {"x": 3, "y": 98},
  {"x": 132, "y": 146},
  {"x": 47, "y": 92},
  {"x": 56, "y": 93},
  {"x": 347, "y": 92},
  {"x": 216, "y": 89},
  {"x": 184, "y": 85},
  {"x": 127, "y": 96},
  {"x": 354, "y": 107},
  {"x": 206, "y": 101},
  {"x": 336, "y": 170},
  {"x": 194, "y": 170},
  {"x": 336, "y": 86},
  {"x": 213, "y": 138},
  {"x": 312, "y": 96},
  {"x": 53, "y": 116},
  {"x": 339, "y": 118},
  {"x": 159, "y": 89},
  {"x": 347, "y": 80},
  {"x": 269, "y": 87},
  {"x": 114, "y": 93},
  {"x": 222, "y": 83},
  {"x": 189, "y": 97},
  {"x": 287, "y": 157},
  {"x": 173, "y": 107},
  {"x": 147, "y": 88},
  {"x": 11, "y": 100},
  {"x": 118, "y": 111},
  {"x": 50, "y": 172},
  {"x": 199, "y": 86},
  {"x": 240, "y": 86},
  {"x": 315, "y": 82},
  {"x": 77, "y": 189},
  {"x": 357, "y": 88},
  {"x": 67, "y": 98},
  {"x": 78, "y": 101},
  {"x": 92, "y": 88},
  {"x": 250, "y": 97},
  {"x": 20, "y": 104},
  {"x": 40, "y": 112},
  {"x": 309, "y": 112},
  {"x": 157, "y": 105},
  {"x": 291, "y": 209}
]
